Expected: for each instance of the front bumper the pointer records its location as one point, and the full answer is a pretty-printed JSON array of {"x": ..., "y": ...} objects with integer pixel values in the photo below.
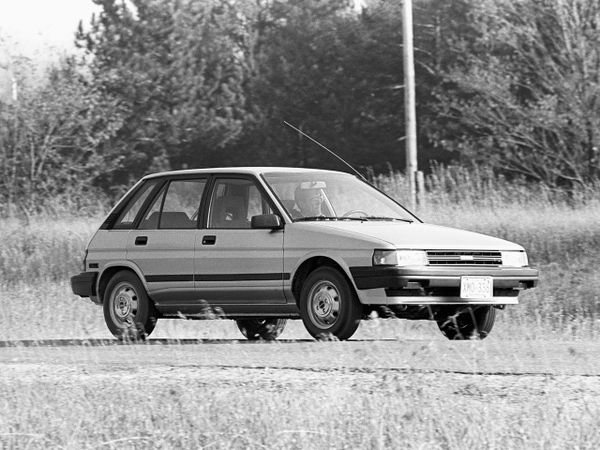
[
  {"x": 441, "y": 285},
  {"x": 84, "y": 284}
]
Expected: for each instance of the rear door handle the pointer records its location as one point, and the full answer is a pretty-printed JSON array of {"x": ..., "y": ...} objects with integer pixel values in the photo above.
[
  {"x": 209, "y": 240},
  {"x": 141, "y": 240}
]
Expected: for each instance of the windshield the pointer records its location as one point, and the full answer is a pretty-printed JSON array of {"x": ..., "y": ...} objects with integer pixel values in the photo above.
[{"x": 332, "y": 196}]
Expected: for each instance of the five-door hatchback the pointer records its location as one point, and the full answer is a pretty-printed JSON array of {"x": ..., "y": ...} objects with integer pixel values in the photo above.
[{"x": 263, "y": 245}]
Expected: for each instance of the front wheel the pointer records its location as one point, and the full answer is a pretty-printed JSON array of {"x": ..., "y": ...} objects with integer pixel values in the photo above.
[
  {"x": 468, "y": 322},
  {"x": 328, "y": 305},
  {"x": 128, "y": 312},
  {"x": 266, "y": 329}
]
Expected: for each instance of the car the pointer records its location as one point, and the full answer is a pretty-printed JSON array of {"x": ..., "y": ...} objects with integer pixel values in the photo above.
[{"x": 261, "y": 245}]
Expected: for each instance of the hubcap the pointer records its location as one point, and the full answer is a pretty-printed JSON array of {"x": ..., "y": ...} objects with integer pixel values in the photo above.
[
  {"x": 324, "y": 304},
  {"x": 124, "y": 304}
]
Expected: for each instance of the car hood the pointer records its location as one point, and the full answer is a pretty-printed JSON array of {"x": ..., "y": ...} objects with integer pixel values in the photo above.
[{"x": 421, "y": 235}]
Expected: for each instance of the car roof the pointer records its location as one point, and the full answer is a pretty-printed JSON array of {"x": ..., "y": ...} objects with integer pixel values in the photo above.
[{"x": 238, "y": 170}]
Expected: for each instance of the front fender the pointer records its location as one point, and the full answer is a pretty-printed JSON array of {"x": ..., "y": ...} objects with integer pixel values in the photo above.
[{"x": 336, "y": 257}]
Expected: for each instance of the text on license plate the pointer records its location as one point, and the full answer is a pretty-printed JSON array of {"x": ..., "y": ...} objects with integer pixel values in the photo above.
[{"x": 476, "y": 287}]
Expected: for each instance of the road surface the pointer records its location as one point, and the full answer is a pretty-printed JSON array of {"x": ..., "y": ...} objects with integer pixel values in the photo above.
[{"x": 508, "y": 358}]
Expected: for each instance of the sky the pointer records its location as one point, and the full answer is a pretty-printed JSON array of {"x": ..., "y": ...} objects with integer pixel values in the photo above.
[{"x": 42, "y": 29}]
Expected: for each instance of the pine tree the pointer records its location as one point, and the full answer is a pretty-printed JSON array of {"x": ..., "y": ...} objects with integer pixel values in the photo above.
[{"x": 177, "y": 72}]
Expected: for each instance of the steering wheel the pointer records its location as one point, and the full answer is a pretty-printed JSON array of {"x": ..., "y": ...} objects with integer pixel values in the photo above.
[{"x": 355, "y": 211}]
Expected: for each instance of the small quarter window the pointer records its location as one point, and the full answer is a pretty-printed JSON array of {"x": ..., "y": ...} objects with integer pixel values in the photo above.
[
  {"x": 150, "y": 220},
  {"x": 127, "y": 217}
]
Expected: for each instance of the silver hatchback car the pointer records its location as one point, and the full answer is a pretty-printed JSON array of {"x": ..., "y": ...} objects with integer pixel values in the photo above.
[{"x": 263, "y": 245}]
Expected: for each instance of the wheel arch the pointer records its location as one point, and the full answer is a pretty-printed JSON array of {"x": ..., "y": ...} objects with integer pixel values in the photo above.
[
  {"x": 314, "y": 262},
  {"x": 110, "y": 270}
]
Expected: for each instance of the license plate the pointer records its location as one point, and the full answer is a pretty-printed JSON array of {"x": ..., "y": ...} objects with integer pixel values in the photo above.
[{"x": 476, "y": 287}]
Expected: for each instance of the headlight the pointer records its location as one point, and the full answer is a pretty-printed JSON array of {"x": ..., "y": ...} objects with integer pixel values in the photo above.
[
  {"x": 514, "y": 259},
  {"x": 399, "y": 258}
]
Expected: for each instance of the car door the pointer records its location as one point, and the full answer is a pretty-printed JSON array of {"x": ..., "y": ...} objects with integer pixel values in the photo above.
[
  {"x": 163, "y": 243},
  {"x": 234, "y": 263}
]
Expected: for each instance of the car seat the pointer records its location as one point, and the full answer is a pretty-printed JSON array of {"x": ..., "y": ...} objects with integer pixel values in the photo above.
[{"x": 230, "y": 212}]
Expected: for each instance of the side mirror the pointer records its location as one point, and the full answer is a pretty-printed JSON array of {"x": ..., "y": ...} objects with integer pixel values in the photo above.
[{"x": 266, "y": 221}]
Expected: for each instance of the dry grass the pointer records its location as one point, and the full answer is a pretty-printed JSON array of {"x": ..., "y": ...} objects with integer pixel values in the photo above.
[
  {"x": 379, "y": 411},
  {"x": 473, "y": 187},
  {"x": 114, "y": 402},
  {"x": 43, "y": 248}
]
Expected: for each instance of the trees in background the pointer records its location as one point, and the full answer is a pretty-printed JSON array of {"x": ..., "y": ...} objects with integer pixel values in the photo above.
[
  {"x": 510, "y": 84},
  {"x": 51, "y": 141},
  {"x": 525, "y": 95},
  {"x": 177, "y": 72},
  {"x": 319, "y": 64},
  {"x": 514, "y": 85},
  {"x": 312, "y": 70},
  {"x": 336, "y": 74}
]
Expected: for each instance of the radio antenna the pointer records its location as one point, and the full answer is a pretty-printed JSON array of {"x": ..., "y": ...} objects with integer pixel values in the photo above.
[{"x": 322, "y": 146}]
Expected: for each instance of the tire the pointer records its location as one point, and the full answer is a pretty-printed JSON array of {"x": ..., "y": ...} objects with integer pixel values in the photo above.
[
  {"x": 329, "y": 306},
  {"x": 468, "y": 323},
  {"x": 128, "y": 312},
  {"x": 266, "y": 329}
]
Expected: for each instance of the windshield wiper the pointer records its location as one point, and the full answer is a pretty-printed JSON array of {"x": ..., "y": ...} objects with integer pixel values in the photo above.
[
  {"x": 311, "y": 218},
  {"x": 316, "y": 218},
  {"x": 361, "y": 218},
  {"x": 388, "y": 218}
]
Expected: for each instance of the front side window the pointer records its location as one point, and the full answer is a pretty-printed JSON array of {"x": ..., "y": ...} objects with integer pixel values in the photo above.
[
  {"x": 234, "y": 202},
  {"x": 321, "y": 195},
  {"x": 176, "y": 206}
]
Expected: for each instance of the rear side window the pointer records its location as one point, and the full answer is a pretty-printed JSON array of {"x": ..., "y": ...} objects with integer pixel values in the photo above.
[
  {"x": 128, "y": 215},
  {"x": 177, "y": 207}
]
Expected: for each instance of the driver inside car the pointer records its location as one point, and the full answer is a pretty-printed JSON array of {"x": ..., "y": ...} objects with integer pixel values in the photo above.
[{"x": 309, "y": 200}]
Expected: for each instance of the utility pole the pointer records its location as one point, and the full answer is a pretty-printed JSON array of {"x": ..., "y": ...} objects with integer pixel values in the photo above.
[{"x": 410, "y": 115}]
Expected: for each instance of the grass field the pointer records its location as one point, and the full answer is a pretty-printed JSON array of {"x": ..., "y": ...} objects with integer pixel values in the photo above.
[{"x": 266, "y": 408}]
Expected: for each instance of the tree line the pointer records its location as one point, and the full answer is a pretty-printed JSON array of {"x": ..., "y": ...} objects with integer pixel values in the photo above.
[{"x": 169, "y": 84}]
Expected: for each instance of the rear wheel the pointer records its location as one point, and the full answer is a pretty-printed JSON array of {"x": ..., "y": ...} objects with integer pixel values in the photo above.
[
  {"x": 128, "y": 312},
  {"x": 266, "y": 329},
  {"x": 470, "y": 322},
  {"x": 328, "y": 305}
]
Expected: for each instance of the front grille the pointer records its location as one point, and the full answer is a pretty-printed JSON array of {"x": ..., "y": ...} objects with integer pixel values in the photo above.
[{"x": 464, "y": 258}]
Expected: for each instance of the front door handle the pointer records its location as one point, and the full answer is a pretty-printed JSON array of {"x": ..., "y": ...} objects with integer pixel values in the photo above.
[
  {"x": 141, "y": 240},
  {"x": 209, "y": 240}
]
